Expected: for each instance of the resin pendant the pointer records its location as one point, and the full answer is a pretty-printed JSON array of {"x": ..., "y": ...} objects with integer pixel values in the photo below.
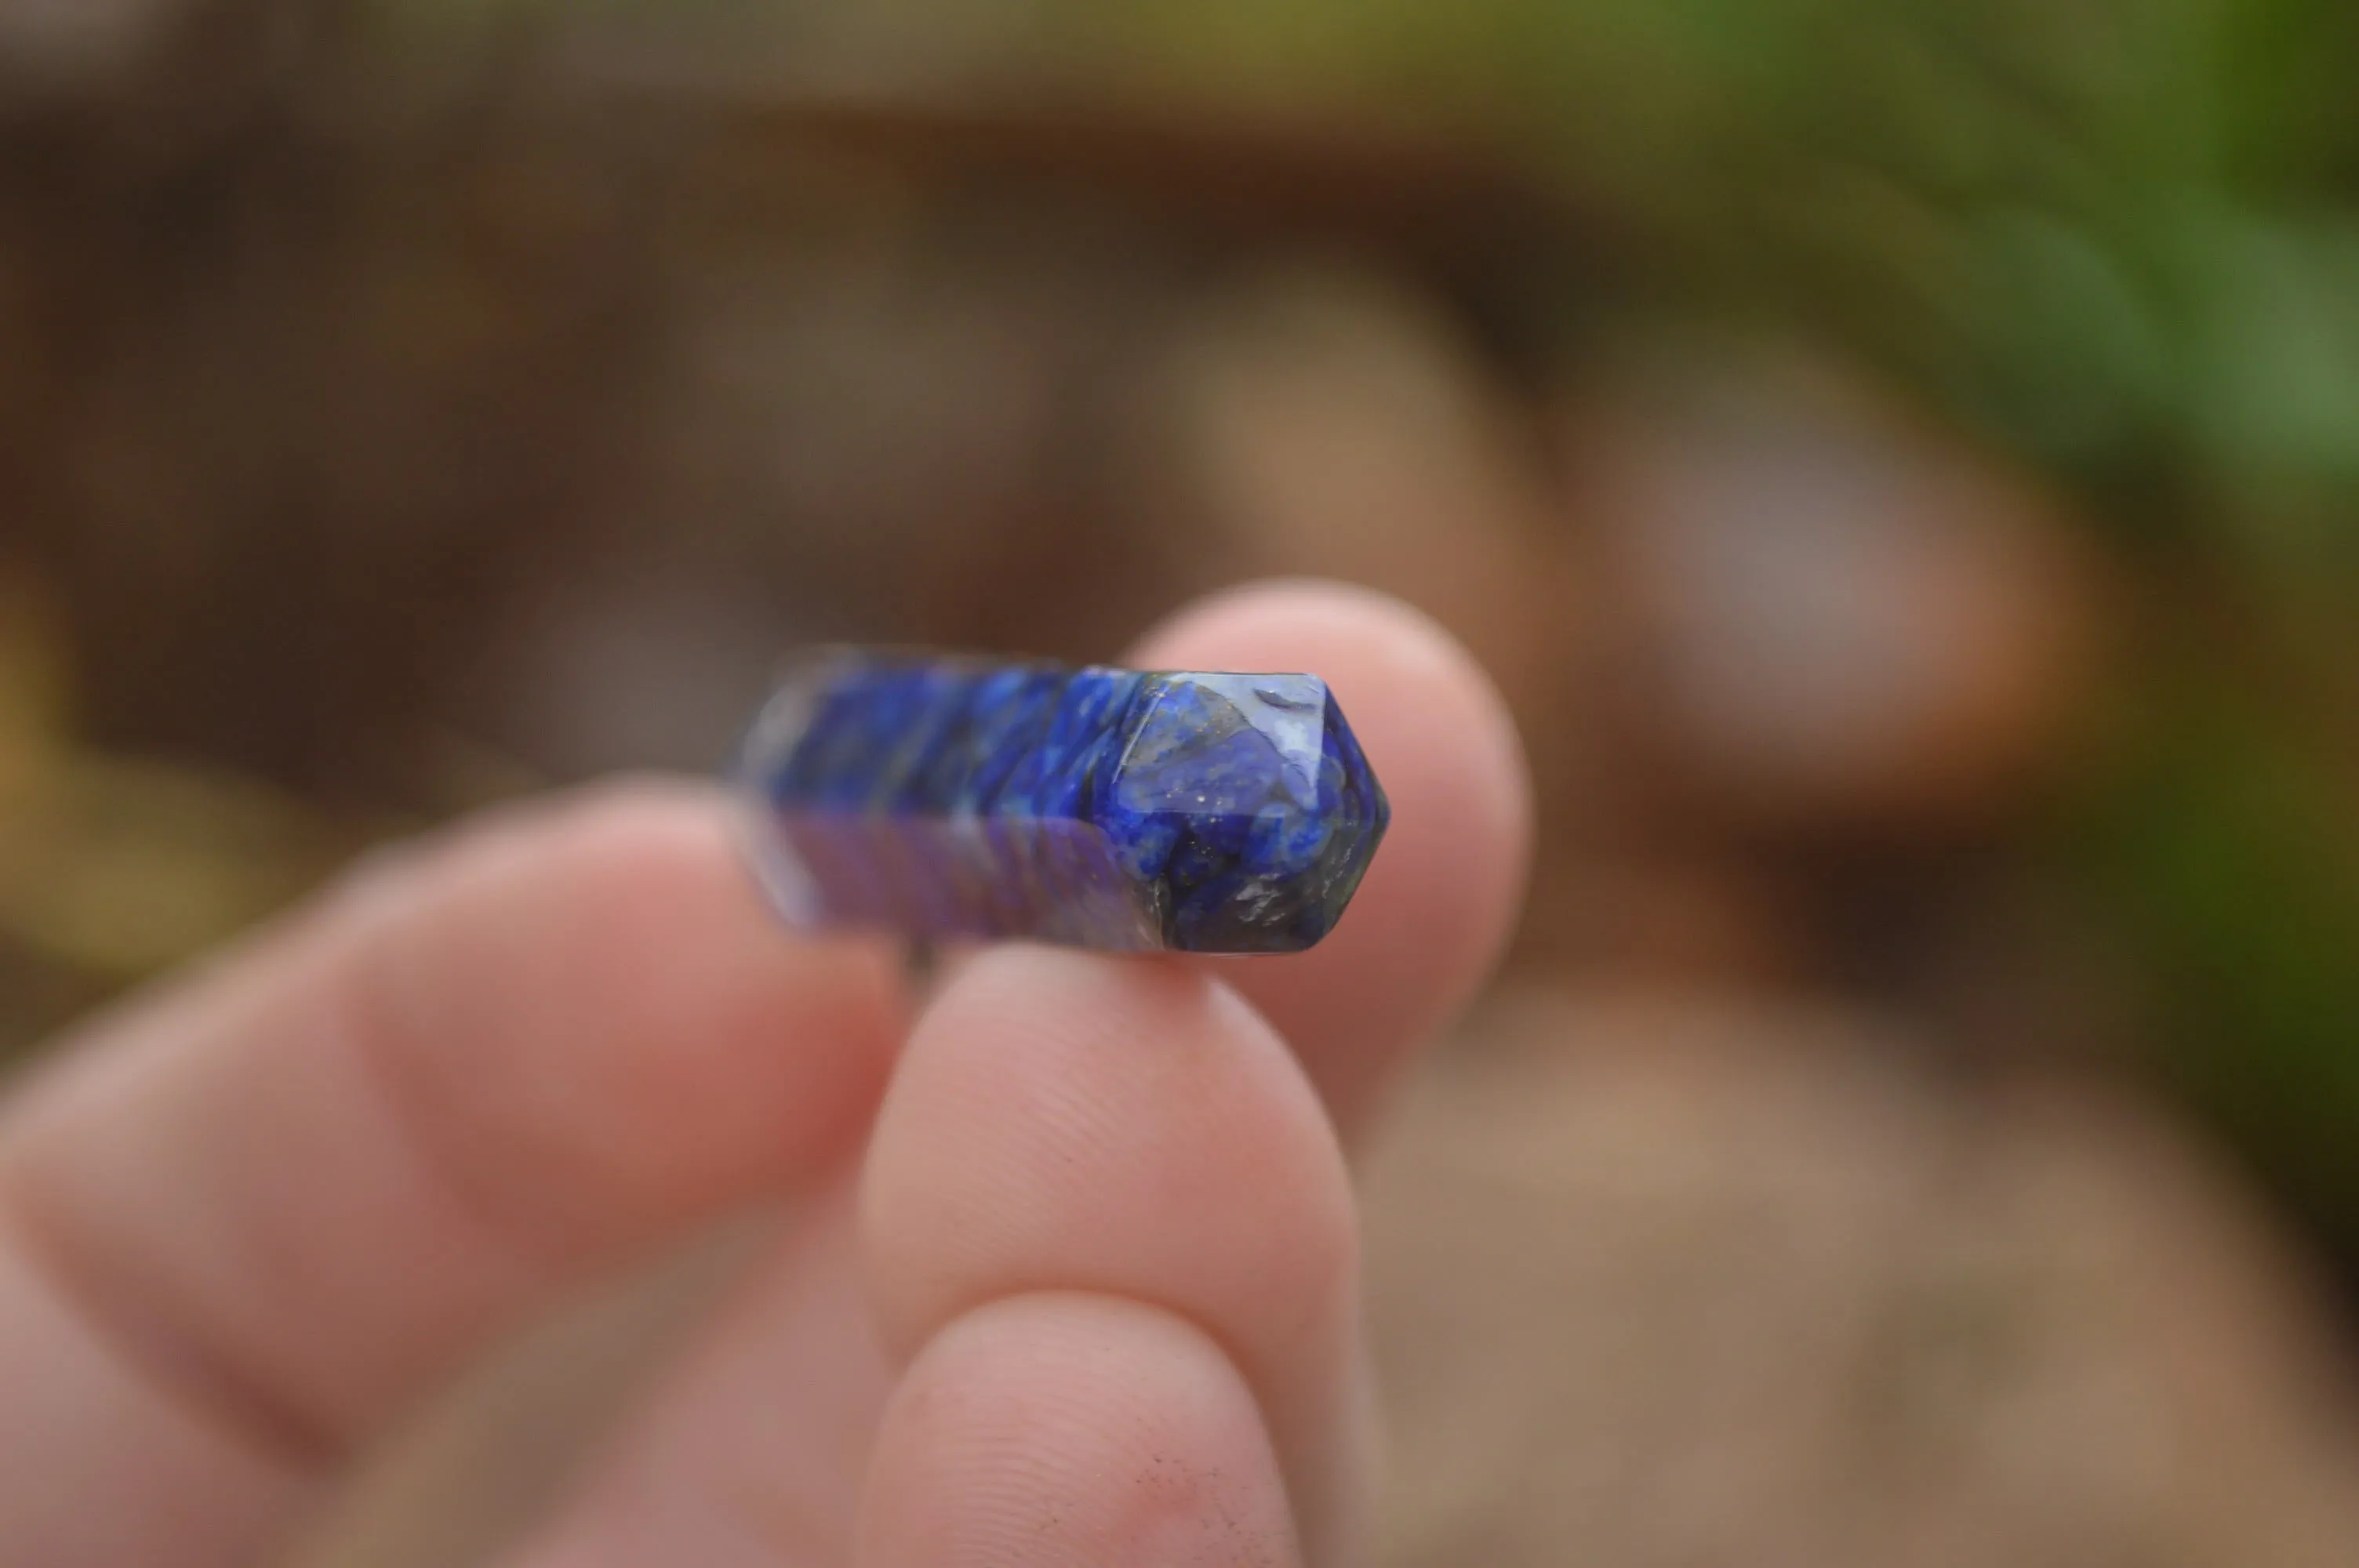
[{"x": 946, "y": 796}]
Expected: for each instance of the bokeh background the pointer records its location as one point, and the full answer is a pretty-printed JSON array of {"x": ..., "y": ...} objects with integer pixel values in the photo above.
[{"x": 1900, "y": 458}]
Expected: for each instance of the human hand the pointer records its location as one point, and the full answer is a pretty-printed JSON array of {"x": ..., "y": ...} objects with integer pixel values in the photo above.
[{"x": 1072, "y": 1276}]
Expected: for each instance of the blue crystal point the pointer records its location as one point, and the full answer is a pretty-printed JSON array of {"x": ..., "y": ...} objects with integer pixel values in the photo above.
[{"x": 943, "y": 796}]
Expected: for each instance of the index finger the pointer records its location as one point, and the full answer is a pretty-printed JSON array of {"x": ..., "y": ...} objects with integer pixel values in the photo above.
[{"x": 242, "y": 1224}]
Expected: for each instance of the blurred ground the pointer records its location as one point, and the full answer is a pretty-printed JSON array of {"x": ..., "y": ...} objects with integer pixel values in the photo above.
[
  {"x": 1899, "y": 466},
  {"x": 1664, "y": 1280}
]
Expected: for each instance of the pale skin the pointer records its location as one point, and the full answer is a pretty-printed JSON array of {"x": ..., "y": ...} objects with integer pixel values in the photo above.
[{"x": 1072, "y": 1277}]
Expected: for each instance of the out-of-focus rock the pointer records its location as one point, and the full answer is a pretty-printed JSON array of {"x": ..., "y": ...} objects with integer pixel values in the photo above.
[
  {"x": 1329, "y": 422},
  {"x": 1835, "y": 615},
  {"x": 1655, "y": 1284}
]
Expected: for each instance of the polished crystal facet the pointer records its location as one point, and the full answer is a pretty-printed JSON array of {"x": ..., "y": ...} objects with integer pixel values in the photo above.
[{"x": 945, "y": 796}]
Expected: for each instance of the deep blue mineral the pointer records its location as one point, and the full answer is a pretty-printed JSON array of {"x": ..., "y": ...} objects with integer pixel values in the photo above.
[{"x": 946, "y": 796}]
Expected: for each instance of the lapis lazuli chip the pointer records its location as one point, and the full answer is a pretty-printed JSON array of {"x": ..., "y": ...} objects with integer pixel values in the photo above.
[{"x": 944, "y": 796}]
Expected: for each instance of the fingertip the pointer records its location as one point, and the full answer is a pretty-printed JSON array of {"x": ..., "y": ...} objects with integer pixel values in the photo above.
[
  {"x": 1066, "y": 1428},
  {"x": 1431, "y": 717},
  {"x": 1440, "y": 898},
  {"x": 1066, "y": 1121}
]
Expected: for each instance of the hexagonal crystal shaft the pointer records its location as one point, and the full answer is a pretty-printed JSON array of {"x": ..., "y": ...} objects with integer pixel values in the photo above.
[{"x": 944, "y": 796}]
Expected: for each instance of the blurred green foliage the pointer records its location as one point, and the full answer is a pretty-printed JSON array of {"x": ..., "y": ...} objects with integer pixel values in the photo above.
[
  {"x": 2114, "y": 234},
  {"x": 2229, "y": 852}
]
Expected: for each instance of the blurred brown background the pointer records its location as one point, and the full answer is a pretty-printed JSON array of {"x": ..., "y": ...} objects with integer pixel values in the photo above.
[{"x": 1901, "y": 462}]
